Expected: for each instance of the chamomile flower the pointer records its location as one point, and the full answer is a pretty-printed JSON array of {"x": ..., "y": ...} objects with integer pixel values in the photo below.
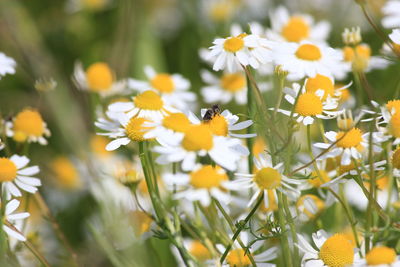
[
  {"x": 172, "y": 87},
  {"x": 336, "y": 250},
  {"x": 296, "y": 28},
  {"x": 65, "y": 173},
  {"x": 15, "y": 175},
  {"x": 350, "y": 145},
  {"x": 380, "y": 256},
  {"x": 241, "y": 50},
  {"x": 147, "y": 105},
  {"x": 391, "y": 11},
  {"x": 360, "y": 59},
  {"x": 266, "y": 177},
  {"x": 198, "y": 140},
  {"x": 307, "y": 59},
  {"x": 12, "y": 218},
  {"x": 7, "y": 65},
  {"x": 310, "y": 105},
  {"x": 202, "y": 184},
  {"x": 388, "y": 121},
  {"x": 98, "y": 78},
  {"x": 129, "y": 128},
  {"x": 28, "y": 125},
  {"x": 395, "y": 36}
]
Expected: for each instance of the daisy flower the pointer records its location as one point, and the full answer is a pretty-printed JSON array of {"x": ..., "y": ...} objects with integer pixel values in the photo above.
[
  {"x": 388, "y": 120},
  {"x": 28, "y": 125},
  {"x": 351, "y": 144},
  {"x": 391, "y": 11},
  {"x": 7, "y": 65},
  {"x": 123, "y": 129},
  {"x": 359, "y": 58},
  {"x": 202, "y": 184},
  {"x": 148, "y": 105},
  {"x": 12, "y": 217},
  {"x": 98, "y": 78},
  {"x": 336, "y": 250},
  {"x": 310, "y": 105},
  {"x": 241, "y": 50},
  {"x": 380, "y": 256},
  {"x": 172, "y": 87},
  {"x": 15, "y": 175},
  {"x": 307, "y": 59},
  {"x": 296, "y": 28},
  {"x": 266, "y": 177},
  {"x": 198, "y": 140},
  {"x": 395, "y": 36}
]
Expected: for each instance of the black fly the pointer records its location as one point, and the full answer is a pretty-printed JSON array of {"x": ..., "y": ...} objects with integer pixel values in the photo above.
[{"x": 211, "y": 112}]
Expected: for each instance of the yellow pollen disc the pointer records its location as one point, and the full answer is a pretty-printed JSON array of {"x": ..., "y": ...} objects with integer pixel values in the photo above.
[
  {"x": 199, "y": 251},
  {"x": 233, "y": 44},
  {"x": 221, "y": 11},
  {"x": 318, "y": 181},
  {"x": 320, "y": 82},
  {"x": 308, "y": 104},
  {"x": 135, "y": 130},
  {"x": 218, "y": 125},
  {"x": 345, "y": 94},
  {"x": 98, "y": 145},
  {"x": 346, "y": 168},
  {"x": 99, "y": 77},
  {"x": 394, "y": 125},
  {"x": 237, "y": 258},
  {"x": 208, "y": 177},
  {"x": 233, "y": 82},
  {"x": 141, "y": 222},
  {"x": 353, "y": 138},
  {"x": 66, "y": 174},
  {"x": 163, "y": 83},
  {"x": 296, "y": 30},
  {"x": 393, "y": 105},
  {"x": 29, "y": 122},
  {"x": 396, "y": 158},
  {"x": 259, "y": 146},
  {"x": 337, "y": 251},
  {"x": 309, "y": 52},
  {"x": 348, "y": 54},
  {"x": 177, "y": 122},
  {"x": 267, "y": 178},
  {"x": 148, "y": 100},
  {"x": 380, "y": 255},
  {"x": 317, "y": 201},
  {"x": 198, "y": 137},
  {"x": 8, "y": 170},
  {"x": 272, "y": 203}
]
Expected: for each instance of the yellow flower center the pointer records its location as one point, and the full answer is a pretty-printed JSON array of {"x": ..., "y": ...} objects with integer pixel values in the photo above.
[
  {"x": 8, "y": 170},
  {"x": 345, "y": 94},
  {"x": 163, "y": 82},
  {"x": 218, "y": 125},
  {"x": 98, "y": 145},
  {"x": 346, "y": 168},
  {"x": 309, "y": 52},
  {"x": 259, "y": 146},
  {"x": 233, "y": 82},
  {"x": 267, "y": 178},
  {"x": 396, "y": 158},
  {"x": 148, "y": 100},
  {"x": 65, "y": 172},
  {"x": 393, "y": 104},
  {"x": 380, "y": 255},
  {"x": 317, "y": 201},
  {"x": 394, "y": 125},
  {"x": 337, "y": 251},
  {"x": 238, "y": 258},
  {"x": 320, "y": 82},
  {"x": 352, "y": 138},
  {"x": 221, "y": 11},
  {"x": 296, "y": 29},
  {"x": 359, "y": 56},
  {"x": 198, "y": 137},
  {"x": 208, "y": 177},
  {"x": 308, "y": 104},
  {"x": 199, "y": 251},
  {"x": 99, "y": 77},
  {"x": 141, "y": 222},
  {"x": 94, "y": 4},
  {"x": 317, "y": 181},
  {"x": 272, "y": 203},
  {"x": 177, "y": 122},
  {"x": 233, "y": 44},
  {"x": 28, "y": 122},
  {"x": 135, "y": 130}
]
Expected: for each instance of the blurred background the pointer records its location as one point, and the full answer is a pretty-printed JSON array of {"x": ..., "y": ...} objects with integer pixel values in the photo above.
[{"x": 47, "y": 38}]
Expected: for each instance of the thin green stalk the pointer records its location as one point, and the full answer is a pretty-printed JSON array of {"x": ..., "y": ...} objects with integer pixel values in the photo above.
[
  {"x": 292, "y": 229},
  {"x": 250, "y": 113},
  {"x": 241, "y": 226},
  {"x": 284, "y": 238},
  {"x": 281, "y": 80}
]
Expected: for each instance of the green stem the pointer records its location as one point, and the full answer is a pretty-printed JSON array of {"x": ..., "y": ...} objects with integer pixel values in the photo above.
[
  {"x": 292, "y": 229},
  {"x": 250, "y": 113},
  {"x": 284, "y": 238}
]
